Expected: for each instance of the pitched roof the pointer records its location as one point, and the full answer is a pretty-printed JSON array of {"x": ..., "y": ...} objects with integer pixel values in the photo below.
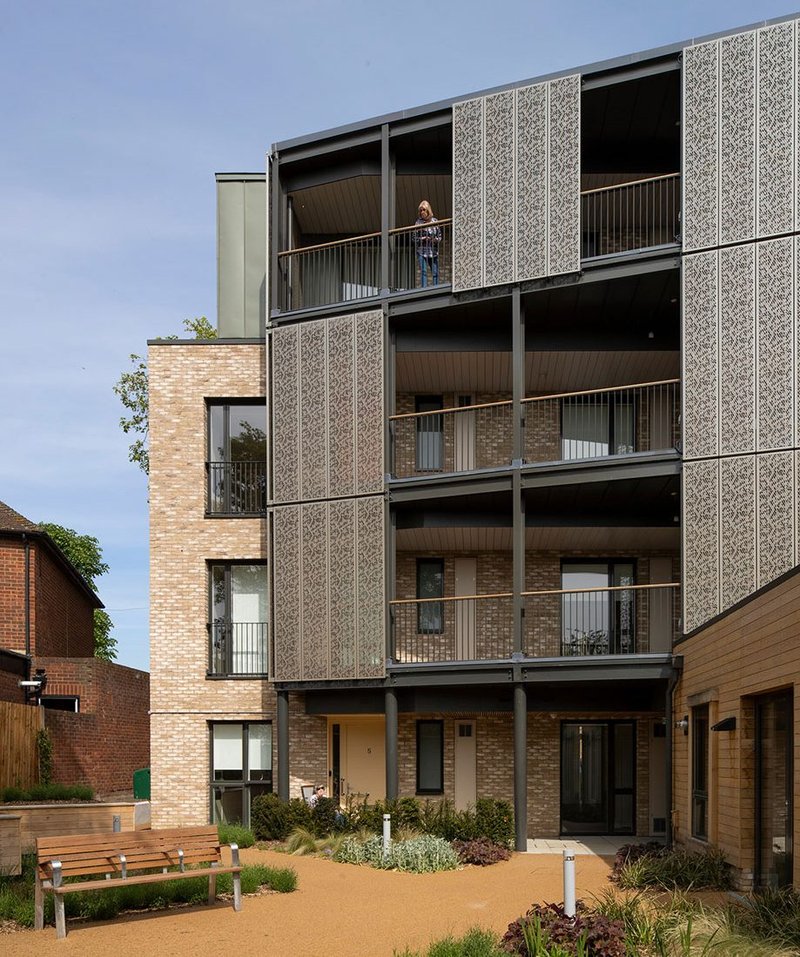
[{"x": 11, "y": 521}]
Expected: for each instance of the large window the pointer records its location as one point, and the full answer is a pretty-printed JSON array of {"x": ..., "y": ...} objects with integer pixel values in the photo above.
[
  {"x": 237, "y": 458},
  {"x": 430, "y": 584},
  {"x": 596, "y": 425},
  {"x": 597, "y": 622},
  {"x": 430, "y": 757},
  {"x": 241, "y": 769},
  {"x": 238, "y": 619},
  {"x": 700, "y": 772},
  {"x": 430, "y": 434}
]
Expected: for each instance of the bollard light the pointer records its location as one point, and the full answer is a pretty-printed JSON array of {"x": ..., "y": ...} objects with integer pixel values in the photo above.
[
  {"x": 569, "y": 882},
  {"x": 387, "y": 833}
]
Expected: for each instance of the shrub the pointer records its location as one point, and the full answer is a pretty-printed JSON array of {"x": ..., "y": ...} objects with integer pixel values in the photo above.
[
  {"x": 773, "y": 915},
  {"x": 546, "y": 930},
  {"x": 236, "y": 834},
  {"x": 326, "y": 818},
  {"x": 44, "y": 749},
  {"x": 47, "y": 792},
  {"x": 495, "y": 819},
  {"x": 481, "y": 851},
  {"x": 273, "y": 819},
  {"x": 654, "y": 866},
  {"x": 475, "y": 943},
  {"x": 420, "y": 855}
]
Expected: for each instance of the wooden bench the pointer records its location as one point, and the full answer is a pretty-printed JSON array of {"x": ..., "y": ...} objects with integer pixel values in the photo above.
[{"x": 117, "y": 858}]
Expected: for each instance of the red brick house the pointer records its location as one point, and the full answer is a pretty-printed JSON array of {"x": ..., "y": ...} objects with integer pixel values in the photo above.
[{"x": 96, "y": 711}]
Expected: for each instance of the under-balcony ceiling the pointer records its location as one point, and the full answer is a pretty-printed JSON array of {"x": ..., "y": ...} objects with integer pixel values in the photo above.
[{"x": 559, "y": 539}]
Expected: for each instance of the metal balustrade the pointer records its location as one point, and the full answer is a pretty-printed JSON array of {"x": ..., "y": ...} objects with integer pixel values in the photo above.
[
  {"x": 620, "y": 420},
  {"x": 451, "y": 440},
  {"x": 237, "y": 488},
  {"x": 619, "y": 620},
  {"x": 237, "y": 648},
  {"x": 350, "y": 269},
  {"x": 638, "y": 215},
  {"x": 469, "y": 628}
]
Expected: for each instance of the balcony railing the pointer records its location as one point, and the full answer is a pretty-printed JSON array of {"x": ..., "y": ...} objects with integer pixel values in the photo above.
[
  {"x": 350, "y": 269},
  {"x": 237, "y": 488},
  {"x": 644, "y": 417},
  {"x": 616, "y": 219},
  {"x": 472, "y": 628},
  {"x": 451, "y": 440},
  {"x": 621, "y": 620},
  {"x": 237, "y": 648},
  {"x": 558, "y": 623}
]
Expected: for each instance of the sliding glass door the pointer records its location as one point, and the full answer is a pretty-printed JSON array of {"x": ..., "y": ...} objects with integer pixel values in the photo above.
[{"x": 774, "y": 787}]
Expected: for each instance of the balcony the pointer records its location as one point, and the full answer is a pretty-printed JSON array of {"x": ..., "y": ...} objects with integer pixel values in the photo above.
[
  {"x": 348, "y": 270},
  {"x": 237, "y": 488},
  {"x": 237, "y": 649},
  {"x": 558, "y": 623},
  {"x": 632, "y": 216},
  {"x": 567, "y": 426}
]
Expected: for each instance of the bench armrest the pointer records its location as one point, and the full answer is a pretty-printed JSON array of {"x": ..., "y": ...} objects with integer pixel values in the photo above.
[{"x": 234, "y": 853}]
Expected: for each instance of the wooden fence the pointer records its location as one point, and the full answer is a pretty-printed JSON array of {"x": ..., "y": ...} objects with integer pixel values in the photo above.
[{"x": 19, "y": 724}]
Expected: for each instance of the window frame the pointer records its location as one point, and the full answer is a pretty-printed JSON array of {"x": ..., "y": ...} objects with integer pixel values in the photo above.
[
  {"x": 227, "y": 511},
  {"x": 701, "y": 769},
  {"x": 246, "y": 782},
  {"x": 436, "y": 608},
  {"x": 612, "y": 404},
  {"x": 226, "y": 623},
  {"x": 430, "y": 722},
  {"x": 614, "y": 637}
]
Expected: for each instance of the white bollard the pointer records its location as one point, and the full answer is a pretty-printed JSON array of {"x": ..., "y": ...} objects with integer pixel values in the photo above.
[
  {"x": 387, "y": 833},
  {"x": 569, "y": 882}
]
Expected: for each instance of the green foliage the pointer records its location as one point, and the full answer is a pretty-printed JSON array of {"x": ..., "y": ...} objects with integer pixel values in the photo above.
[
  {"x": 326, "y": 818},
  {"x": 44, "y": 751},
  {"x": 773, "y": 915},
  {"x": 489, "y": 818},
  {"x": 273, "y": 819},
  {"x": 47, "y": 792},
  {"x": 419, "y": 855},
  {"x": 475, "y": 943},
  {"x": 85, "y": 555},
  {"x": 132, "y": 389},
  {"x": 652, "y": 865},
  {"x": 546, "y": 931},
  {"x": 236, "y": 834}
]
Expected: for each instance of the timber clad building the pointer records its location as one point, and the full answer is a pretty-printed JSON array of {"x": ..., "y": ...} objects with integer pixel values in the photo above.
[{"x": 507, "y": 506}]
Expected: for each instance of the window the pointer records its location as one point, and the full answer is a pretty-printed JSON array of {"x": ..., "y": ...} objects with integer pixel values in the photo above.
[
  {"x": 238, "y": 619},
  {"x": 596, "y": 425},
  {"x": 597, "y": 622},
  {"x": 61, "y": 702},
  {"x": 237, "y": 458},
  {"x": 430, "y": 434},
  {"x": 700, "y": 772},
  {"x": 430, "y": 757},
  {"x": 241, "y": 769},
  {"x": 430, "y": 584}
]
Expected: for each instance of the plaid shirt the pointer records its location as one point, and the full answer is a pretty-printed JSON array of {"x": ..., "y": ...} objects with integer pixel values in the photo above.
[{"x": 427, "y": 240}]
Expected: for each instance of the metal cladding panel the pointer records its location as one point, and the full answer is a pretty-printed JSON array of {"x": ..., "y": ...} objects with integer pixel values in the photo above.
[
  {"x": 343, "y": 607},
  {"x": 776, "y": 346},
  {"x": 737, "y": 64},
  {"x": 700, "y": 542},
  {"x": 776, "y": 518},
  {"x": 342, "y": 429},
  {"x": 564, "y": 166},
  {"x": 737, "y": 375},
  {"x": 532, "y": 181},
  {"x": 777, "y": 144},
  {"x": 700, "y": 146},
  {"x": 313, "y": 410},
  {"x": 285, "y": 411},
  {"x": 737, "y": 529},
  {"x": 314, "y": 586},
  {"x": 241, "y": 258},
  {"x": 369, "y": 403},
  {"x": 287, "y": 573},
  {"x": 499, "y": 189},
  {"x": 371, "y": 592},
  {"x": 468, "y": 208},
  {"x": 701, "y": 360}
]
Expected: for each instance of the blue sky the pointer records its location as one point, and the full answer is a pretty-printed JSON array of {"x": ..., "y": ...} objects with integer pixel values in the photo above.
[{"x": 116, "y": 117}]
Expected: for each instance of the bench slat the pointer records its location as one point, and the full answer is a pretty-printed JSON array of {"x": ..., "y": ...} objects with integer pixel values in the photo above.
[
  {"x": 166, "y": 833},
  {"x": 142, "y": 879},
  {"x": 49, "y": 846}
]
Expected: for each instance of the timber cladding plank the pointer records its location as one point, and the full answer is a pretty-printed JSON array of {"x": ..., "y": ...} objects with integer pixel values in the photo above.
[
  {"x": 44, "y": 820},
  {"x": 19, "y": 725}
]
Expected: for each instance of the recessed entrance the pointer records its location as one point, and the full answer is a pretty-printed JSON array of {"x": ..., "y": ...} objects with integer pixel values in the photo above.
[
  {"x": 774, "y": 784},
  {"x": 357, "y": 758}
]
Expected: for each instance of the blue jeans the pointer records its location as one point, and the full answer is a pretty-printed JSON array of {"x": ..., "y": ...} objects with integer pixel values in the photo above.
[{"x": 432, "y": 260}]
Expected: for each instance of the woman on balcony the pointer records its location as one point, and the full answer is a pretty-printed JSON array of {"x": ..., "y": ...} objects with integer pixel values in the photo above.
[{"x": 427, "y": 242}]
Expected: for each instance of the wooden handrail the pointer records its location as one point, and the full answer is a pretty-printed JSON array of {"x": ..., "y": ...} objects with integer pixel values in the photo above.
[
  {"x": 459, "y": 408},
  {"x": 633, "y": 182},
  {"x": 611, "y": 388},
  {"x": 530, "y": 594},
  {"x": 355, "y": 239}
]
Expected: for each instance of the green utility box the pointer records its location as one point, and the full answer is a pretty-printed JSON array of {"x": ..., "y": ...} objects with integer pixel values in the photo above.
[{"x": 141, "y": 784}]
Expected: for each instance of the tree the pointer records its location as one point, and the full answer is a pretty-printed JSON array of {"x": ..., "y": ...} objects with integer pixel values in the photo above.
[
  {"x": 132, "y": 389},
  {"x": 86, "y": 557}
]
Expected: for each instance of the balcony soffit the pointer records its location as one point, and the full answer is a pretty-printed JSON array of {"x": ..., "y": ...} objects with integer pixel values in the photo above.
[{"x": 558, "y": 539}]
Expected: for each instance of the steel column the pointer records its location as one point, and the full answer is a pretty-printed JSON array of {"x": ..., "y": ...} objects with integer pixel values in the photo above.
[
  {"x": 385, "y": 208},
  {"x": 520, "y": 767},
  {"x": 669, "y": 727},
  {"x": 392, "y": 777},
  {"x": 274, "y": 204},
  {"x": 283, "y": 745},
  {"x": 518, "y": 374}
]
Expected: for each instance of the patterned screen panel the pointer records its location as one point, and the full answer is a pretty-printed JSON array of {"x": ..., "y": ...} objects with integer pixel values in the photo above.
[
  {"x": 328, "y": 583},
  {"x": 776, "y": 320},
  {"x": 516, "y": 184},
  {"x": 740, "y": 142},
  {"x": 701, "y": 355},
  {"x": 737, "y": 528},
  {"x": 700, "y": 542},
  {"x": 737, "y": 376},
  {"x": 776, "y": 499},
  {"x": 327, "y": 408}
]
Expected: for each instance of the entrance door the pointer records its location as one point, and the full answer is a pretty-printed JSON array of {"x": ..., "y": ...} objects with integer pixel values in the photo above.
[
  {"x": 598, "y": 777},
  {"x": 465, "y": 764},
  {"x": 774, "y": 782},
  {"x": 466, "y": 581},
  {"x": 464, "y": 445},
  {"x": 358, "y": 762}
]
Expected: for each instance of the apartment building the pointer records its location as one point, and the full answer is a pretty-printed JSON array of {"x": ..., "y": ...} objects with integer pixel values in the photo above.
[{"x": 474, "y": 507}]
